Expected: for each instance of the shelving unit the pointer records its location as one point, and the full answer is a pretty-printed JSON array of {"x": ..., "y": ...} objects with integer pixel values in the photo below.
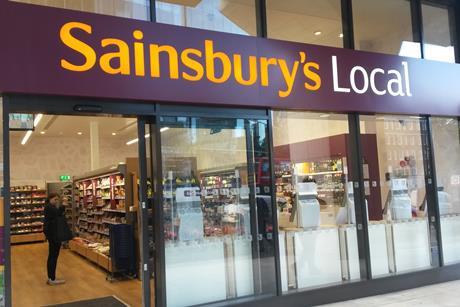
[
  {"x": 27, "y": 214},
  {"x": 100, "y": 200}
]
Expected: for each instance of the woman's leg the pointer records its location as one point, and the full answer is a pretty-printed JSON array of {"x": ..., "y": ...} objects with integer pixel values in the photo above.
[{"x": 53, "y": 254}]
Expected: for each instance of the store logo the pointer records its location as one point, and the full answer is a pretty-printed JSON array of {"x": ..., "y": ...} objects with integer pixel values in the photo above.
[{"x": 207, "y": 63}]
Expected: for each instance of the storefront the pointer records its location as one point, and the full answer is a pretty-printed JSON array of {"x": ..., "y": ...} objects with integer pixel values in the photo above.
[{"x": 269, "y": 172}]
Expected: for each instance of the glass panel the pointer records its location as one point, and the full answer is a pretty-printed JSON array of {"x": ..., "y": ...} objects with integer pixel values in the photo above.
[
  {"x": 233, "y": 16},
  {"x": 212, "y": 202},
  {"x": 384, "y": 26},
  {"x": 316, "y": 215},
  {"x": 446, "y": 143},
  {"x": 136, "y": 9},
  {"x": 310, "y": 21},
  {"x": 394, "y": 180},
  {"x": 437, "y": 33}
]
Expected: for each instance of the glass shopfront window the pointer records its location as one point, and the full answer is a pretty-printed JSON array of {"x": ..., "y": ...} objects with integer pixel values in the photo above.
[
  {"x": 384, "y": 26},
  {"x": 314, "y": 22},
  {"x": 314, "y": 193},
  {"x": 446, "y": 143},
  {"x": 438, "y": 43},
  {"x": 394, "y": 181},
  {"x": 232, "y": 16},
  {"x": 217, "y": 210},
  {"x": 136, "y": 9}
]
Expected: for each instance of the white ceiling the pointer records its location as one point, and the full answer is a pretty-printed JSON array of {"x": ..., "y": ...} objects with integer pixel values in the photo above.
[{"x": 59, "y": 125}]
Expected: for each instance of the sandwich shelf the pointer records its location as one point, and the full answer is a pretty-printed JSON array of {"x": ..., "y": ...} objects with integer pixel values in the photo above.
[{"x": 27, "y": 205}]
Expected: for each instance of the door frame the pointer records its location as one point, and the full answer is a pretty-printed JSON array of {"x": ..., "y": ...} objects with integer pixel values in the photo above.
[{"x": 76, "y": 107}]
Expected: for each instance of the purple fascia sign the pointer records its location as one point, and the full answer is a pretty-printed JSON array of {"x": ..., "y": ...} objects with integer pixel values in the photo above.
[{"x": 72, "y": 53}]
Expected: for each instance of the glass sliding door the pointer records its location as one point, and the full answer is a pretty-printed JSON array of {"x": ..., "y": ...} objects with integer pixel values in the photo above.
[{"x": 217, "y": 209}]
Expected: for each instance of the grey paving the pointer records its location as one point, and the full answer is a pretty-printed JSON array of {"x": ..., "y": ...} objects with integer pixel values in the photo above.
[{"x": 444, "y": 294}]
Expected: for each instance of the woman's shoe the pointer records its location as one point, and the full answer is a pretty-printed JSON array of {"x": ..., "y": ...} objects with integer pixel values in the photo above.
[{"x": 55, "y": 282}]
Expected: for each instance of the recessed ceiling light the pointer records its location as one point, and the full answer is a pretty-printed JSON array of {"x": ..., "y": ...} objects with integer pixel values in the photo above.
[
  {"x": 341, "y": 35},
  {"x": 42, "y": 132},
  {"x": 325, "y": 115},
  {"x": 317, "y": 33},
  {"x": 79, "y": 133},
  {"x": 114, "y": 133}
]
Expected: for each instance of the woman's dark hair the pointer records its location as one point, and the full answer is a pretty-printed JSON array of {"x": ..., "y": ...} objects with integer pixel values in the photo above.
[{"x": 51, "y": 196}]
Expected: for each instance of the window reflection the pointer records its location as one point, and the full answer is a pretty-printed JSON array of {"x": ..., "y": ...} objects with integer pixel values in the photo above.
[
  {"x": 437, "y": 35},
  {"x": 384, "y": 26},
  {"x": 136, "y": 9},
  {"x": 310, "y": 21},
  {"x": 233, "y": 16}
]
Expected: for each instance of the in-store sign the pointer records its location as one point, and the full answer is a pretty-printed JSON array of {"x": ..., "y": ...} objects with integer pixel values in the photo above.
[
  {"x": 64, "y": 177},
  {"x": 19, "y": 121}
]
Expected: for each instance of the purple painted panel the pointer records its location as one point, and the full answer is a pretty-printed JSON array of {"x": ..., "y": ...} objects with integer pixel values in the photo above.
[{"x": 31, "y": 51}]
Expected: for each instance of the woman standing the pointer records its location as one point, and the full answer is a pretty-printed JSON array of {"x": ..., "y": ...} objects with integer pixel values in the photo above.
[{"x": 53, "y": 210}]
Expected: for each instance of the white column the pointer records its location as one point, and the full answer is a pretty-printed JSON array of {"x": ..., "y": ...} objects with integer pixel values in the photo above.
[{"x": 94, "y": 140}]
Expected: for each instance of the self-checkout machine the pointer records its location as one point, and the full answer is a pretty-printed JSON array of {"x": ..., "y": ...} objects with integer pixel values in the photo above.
[
  {"x": 408, "y": 235},
  {"x": 315, "y": 247},
  {"x": 192, "y": 254}
]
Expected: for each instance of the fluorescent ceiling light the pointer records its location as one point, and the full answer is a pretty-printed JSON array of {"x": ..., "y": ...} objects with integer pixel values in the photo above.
[
  {"x": 317, "y": 33},
  {"x": 42, "y": 132},
  {"x": 26, "y": 137},
  {"x": 164, "y": 129},
  {"x": 114, "y": 133},
  {"x": 325, "y": 115},
  {"x": 37, "y": 119},
  {"x": 133, "y": 141},
  {"x": 79, "y": 133}
]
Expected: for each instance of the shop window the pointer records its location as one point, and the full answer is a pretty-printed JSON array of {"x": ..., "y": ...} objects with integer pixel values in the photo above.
[
  {"x": 232, "y": 16},
  {"x": 136, "y": 9},
  {"x": 217, "y": 210},
  {"x": 384, "y": 26},
  {"x": 394, "y": 181},
  {"x": 446, "y": 143},
  {"x": 314, "y": 22},
  {"x": 314, "y": 193},
  {"x": 438, "y": 33}
]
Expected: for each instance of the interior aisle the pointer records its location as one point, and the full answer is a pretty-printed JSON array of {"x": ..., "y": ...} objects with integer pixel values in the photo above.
[{"x": 84, "y": 280}]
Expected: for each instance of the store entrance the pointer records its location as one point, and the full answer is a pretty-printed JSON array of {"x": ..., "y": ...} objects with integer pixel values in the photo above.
[{"x": 90, "y": 164}]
